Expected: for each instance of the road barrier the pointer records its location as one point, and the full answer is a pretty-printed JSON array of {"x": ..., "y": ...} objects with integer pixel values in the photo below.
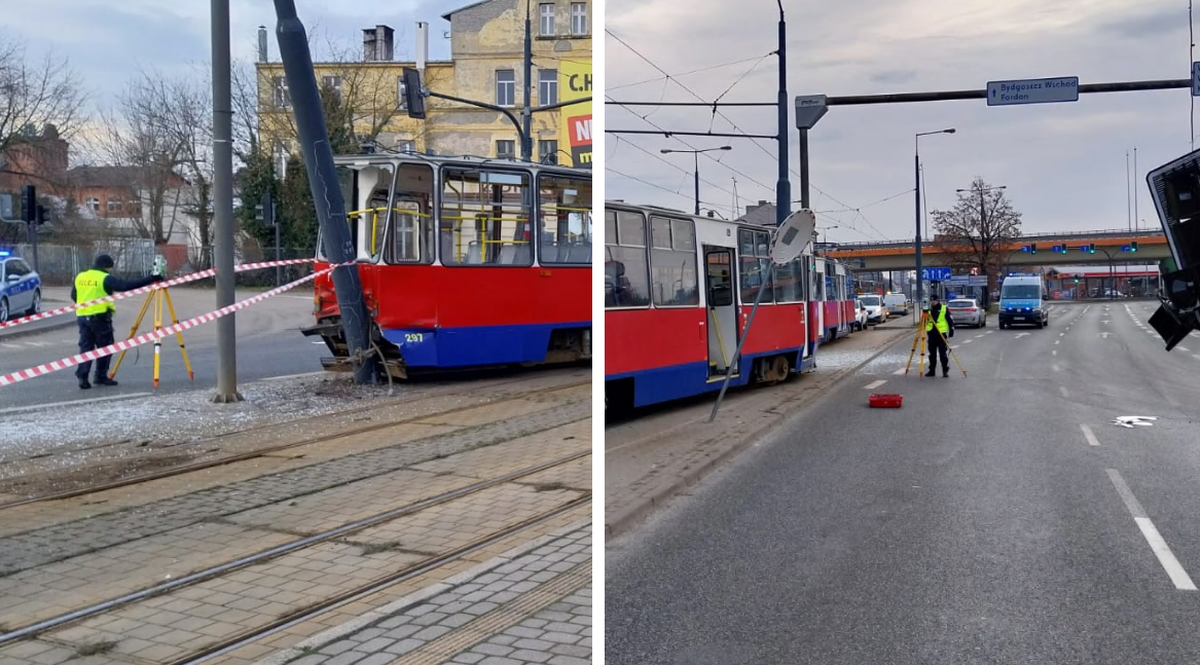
[
  {"x": 203, "y": 274},
  {"x": 47, "y": 368}
]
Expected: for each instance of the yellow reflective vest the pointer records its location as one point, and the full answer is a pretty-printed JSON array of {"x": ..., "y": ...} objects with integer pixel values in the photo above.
[
  {"x": 943, "y": 325},
  {"x": 89, "y": 285}
]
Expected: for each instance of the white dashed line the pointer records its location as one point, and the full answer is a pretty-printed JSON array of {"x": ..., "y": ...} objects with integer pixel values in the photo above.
[
  {"x": 1057, "y": 368},
  {"x": 1184, "y": 349},
  {"x": 978, "y": 336},
  {"x": 902, "y": 370},
  {"x": 40, "y": 407},
  {"x": 1196, "y": 356},
  {"x": 1087, "y": 434},
  {"x": 874, "y": 384},
  {"x": 1169, "y": 563},
  {"x": 1054, "y": 352},
  {"x": 1063, "y": 390}
]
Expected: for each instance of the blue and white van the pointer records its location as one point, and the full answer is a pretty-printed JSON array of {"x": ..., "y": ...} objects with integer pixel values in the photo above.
[{"x": 1022, "y": 300}]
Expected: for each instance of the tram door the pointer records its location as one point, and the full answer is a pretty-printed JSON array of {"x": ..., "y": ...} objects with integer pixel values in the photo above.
[
  {"x": 722, "y": 309},
  {"x": 820, "y": 295}
]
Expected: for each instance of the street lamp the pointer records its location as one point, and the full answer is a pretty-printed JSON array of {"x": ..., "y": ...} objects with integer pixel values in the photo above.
[
  {"x": 917, "y": 198},
  {"x": 825, "y": 231},
  {"x": 982, "y": 220},
  {"x": 696, "y": 155}
]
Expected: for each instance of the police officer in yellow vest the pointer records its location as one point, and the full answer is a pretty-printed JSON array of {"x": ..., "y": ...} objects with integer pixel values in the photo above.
[
  {"x": 95, "y": 321},
  {"x": 940, "y": 317}
]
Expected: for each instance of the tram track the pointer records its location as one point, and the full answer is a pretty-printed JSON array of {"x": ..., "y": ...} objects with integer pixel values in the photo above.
[
  {"x": 270, "y": 450},
  {"x": 215, "y": 571}
]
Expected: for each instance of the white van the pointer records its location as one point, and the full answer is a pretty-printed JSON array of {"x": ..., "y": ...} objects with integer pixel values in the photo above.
[{"x": 896, "y": 303}]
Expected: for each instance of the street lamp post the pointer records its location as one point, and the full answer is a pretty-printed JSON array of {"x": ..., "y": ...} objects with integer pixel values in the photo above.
[
  {"x": 696, "y": 156},
  {"x": 982, "y": 220},
  {"x": 917, "y": 199}
]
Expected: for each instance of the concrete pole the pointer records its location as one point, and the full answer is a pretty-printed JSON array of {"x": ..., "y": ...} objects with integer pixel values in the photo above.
[
  {"x": 783, "y": 189},
  {"x": 804, "y": 168},
  {"x": 223, "y": 202},
  {"x": 527, "y": 114},
  {"x": 917, "y": 240}
]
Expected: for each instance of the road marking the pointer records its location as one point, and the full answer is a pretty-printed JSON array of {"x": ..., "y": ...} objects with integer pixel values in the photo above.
[
  {"x": 1169, "y": 563},
  {"x": 1184, "y": 349},
  {"x": 968, "y": 341},
  {"x": 1056, "y": 342},
  {"x": 874, "y": 384},
  {"x": 1196, "y": 356},
  {"x": 11, "y": 346},
  {"x": 1054, "y": 352},
  {"x": 902, "y": 370},
  {"x": 1061, "y": 334},
  {"x": 38, "y": 343},
  {"x": 1057, "y": 368},
  {"x": 42, "y": 407},
  {"x": 992, "y": 331},
  {"x": 1087, "y": 434},
  {"x": 978, "y": 336},
  {"x": 1063, "y": 390},
  {"x": 1020, "y": 335}
]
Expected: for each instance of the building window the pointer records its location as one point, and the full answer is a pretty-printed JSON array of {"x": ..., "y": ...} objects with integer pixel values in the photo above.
[
  {"x": 401, "y": 94},
  {"x": 333, "y": 84},
  {"x": 506, "y": 87},
  {"x": 579, "y": 22},
  {"x": 547, "y": 86},
  {"x": 281, "y": 98},
  {"x": 506, "y": 149},
  {"x": 546, "y": 19},
  {"x": 282, "y": 152},
  {"x": 115, "y": 206},
  {"x": 406, "y": 146},
  {"x": 548, "y": 152},
  {"x": 93, "y": 204}
]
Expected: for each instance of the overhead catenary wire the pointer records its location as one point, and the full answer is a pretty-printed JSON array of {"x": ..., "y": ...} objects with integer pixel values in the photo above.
[{"x": 734, "y": 125}]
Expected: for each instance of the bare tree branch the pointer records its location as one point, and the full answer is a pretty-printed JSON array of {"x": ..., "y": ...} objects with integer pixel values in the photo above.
[
  {"x": 976, "y": 230},
  {"x": 34, "y": 95}
]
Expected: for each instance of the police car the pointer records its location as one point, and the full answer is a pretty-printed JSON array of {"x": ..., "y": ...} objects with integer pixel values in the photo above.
[{"x": 20, "y": 287}]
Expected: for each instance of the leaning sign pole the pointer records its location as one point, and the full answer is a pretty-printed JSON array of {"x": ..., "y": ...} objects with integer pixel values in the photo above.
[{"x": 336, "y": 240}]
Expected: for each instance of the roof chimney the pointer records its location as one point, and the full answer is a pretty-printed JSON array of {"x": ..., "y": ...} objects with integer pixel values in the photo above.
[
  {"x": 422, "y": 45},
  {"x": 262, "y": 43},
  {"x": 377, "y": 44}
]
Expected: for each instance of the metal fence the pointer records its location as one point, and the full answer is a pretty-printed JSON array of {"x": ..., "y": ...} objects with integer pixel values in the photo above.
[{"x": 57, "y": 265}]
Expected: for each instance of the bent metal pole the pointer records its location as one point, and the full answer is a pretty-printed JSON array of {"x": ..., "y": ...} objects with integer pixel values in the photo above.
[{"x": 322, "y": 177}]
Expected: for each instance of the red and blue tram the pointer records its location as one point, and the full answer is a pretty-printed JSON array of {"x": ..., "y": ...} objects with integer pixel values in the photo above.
[
  {"x": 465, "y": 262},
  {"x": 677, "y": 292}
]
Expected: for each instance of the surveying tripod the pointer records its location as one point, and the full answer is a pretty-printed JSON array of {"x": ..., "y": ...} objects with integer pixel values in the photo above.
[
  {"x": 920, "y": 339},
  {"x": 160, "y": 299}
]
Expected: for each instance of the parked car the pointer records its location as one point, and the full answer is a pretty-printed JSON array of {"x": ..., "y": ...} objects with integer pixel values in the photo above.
[
  {"x": 20, "y": 287},
  {"x": 860, "y": 316},
  {"x": 876, "y": 313},
  {"x": 967, "y": 312}
]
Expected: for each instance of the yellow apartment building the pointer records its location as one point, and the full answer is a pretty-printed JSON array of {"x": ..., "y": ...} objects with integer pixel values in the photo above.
[{"x": 486, "y": 65}]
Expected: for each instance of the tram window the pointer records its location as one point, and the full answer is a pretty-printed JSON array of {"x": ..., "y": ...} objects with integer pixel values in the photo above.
[
  {"x": 564, "y": 220},
  {"x": 788, "y": 284},
  {"x": 673, "y": 277},
  {"x": 626, "y": 279},
  {"x": 485, "y": 218},
  {"x": 754, "y": 264},
  {"x": 411, "y": 227},
  {"x": 720, "y": 278}
]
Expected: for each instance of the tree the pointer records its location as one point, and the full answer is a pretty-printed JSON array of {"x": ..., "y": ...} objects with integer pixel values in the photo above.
[
  {"x": 258, "y": 178},
  {"x": 34, "y": 95},
  {"x": 976, "y": 231},
  {"x": 298, "y": 214}
]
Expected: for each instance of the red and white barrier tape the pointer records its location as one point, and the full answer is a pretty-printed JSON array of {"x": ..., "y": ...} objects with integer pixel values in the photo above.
[
  {"x": 40, "y": 370},
  {"x": 211, "y": 272}
]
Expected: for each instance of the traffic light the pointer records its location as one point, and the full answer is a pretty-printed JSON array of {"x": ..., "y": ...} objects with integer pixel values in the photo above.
[
  {"x": 1076, "y": 279},
  {"x": 1033, "y": 248},
  {"x": 40, "y": 217},
  {"x": 1091, "y": 248},
  {"x": 414, "y": 101},
  {"x": 1133, "y": 246},
  {"x": 28, "y": 203}
]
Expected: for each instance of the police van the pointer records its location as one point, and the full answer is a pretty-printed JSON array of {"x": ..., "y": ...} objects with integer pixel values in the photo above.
[
  {"x": 1022, "y": 300},
  {"x": 20, "y": 287}
]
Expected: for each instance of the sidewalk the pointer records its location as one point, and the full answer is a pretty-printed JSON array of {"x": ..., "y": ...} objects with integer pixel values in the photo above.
[{"x": 651, "y": 459}]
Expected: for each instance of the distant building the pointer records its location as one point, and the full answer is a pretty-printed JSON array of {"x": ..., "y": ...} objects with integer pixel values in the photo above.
[{"x": 486, "y": 65}]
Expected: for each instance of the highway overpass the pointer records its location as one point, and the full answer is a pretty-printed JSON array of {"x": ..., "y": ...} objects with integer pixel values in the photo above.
[{"x": 899, "y": 254}]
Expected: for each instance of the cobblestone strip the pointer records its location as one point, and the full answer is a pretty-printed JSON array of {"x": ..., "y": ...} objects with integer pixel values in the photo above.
[
  {"x": 39, "y": 547},
  {"x": 531, "y": 607}
]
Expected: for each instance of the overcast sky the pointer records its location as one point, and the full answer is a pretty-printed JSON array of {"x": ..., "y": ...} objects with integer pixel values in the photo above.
[
  {"x": 107, "y": 41},
  {"x": 1064, "y": 164}
]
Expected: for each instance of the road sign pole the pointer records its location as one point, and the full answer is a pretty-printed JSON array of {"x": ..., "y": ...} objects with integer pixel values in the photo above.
[{"x": 917, "y": 218}]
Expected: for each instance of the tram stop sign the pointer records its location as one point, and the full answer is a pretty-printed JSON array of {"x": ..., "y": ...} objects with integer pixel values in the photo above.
[
  {"x": 793, "y": 236},
  {"x": 809, "y": 109}
]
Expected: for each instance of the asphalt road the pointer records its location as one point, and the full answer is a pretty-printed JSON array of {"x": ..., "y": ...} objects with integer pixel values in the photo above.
[
  {"x": 269, "y": 344},
  {"x": 999, "y": 517}
]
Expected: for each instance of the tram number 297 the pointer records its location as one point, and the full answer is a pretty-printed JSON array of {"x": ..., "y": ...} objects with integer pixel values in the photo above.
[{"x": 414, "y": 338}]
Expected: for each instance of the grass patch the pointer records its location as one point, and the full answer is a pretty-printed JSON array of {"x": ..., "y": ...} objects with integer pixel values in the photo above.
[
  {"x": 549, "y": 487},
  {"x": 96, "y": 648},
  {"x": 376, "y": 548}
]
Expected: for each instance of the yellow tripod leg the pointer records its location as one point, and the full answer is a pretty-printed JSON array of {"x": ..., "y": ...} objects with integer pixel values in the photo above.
[
  {"x": 158, "y": 307},
  {"x": 133, "y": 331},
  {"x": 912, "y": 352},
  {"x": 179, "y": 335},
  {"x": 952, "y": 353},
  {"x": 921, "y": 367}
]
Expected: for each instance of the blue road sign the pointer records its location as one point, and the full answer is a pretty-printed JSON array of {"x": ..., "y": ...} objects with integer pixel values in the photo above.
[
  {"x": 935, "y": 274},
  {"x": 1033, "y": 91}
]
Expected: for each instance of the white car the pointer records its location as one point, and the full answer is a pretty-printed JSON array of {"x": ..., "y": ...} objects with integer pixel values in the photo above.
[
  {"x": 860, "y": 316},
  {"x": 876, "y": 312}
]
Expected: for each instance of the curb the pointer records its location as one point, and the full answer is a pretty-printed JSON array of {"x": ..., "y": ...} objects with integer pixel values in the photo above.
[
  {"x": 22, "y": 331},
  {"x": 622, "y": 521}
]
